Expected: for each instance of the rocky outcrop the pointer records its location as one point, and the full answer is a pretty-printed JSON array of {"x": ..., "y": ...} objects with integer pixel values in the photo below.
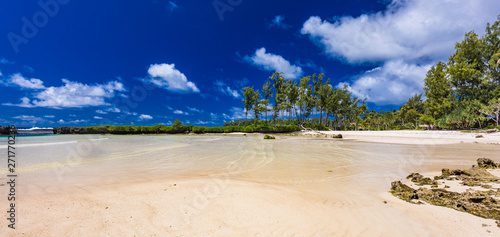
[
  {"x": 420, "y": 179},
  {"x": 486, "y": 163},
  {"x": 6, "y": 131},
  {"x": 485, "y": 204},
  {"x": 269, "y": 137}
]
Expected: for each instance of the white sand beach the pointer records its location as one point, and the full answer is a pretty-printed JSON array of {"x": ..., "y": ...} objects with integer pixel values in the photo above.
[
  {"x": 426, "y": 137},
  {"x": 237, "y": 185}
]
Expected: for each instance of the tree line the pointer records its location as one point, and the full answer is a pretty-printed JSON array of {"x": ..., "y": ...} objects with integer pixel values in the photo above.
[{"x": 462, "y": 93}]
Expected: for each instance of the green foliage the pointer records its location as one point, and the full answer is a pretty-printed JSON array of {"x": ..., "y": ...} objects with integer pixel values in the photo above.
[
  {"x": 492, "y": 110},
  {"x": 413, "y": 109},
  {"x": 250, "y": 99},
  {"x": 438, "y": 90},
  {"x": 177, "y": 125}
]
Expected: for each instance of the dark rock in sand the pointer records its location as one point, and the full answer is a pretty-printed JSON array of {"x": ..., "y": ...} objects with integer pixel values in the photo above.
[
  {"x": 336, "y": 136},
  {"x": 480, "y": 203},
  {"x": 486, "y": 163},
  {"x": 269, "y": 137},
  {"x": 420, "y": 179},
  {"x": 403, "y": 191}
]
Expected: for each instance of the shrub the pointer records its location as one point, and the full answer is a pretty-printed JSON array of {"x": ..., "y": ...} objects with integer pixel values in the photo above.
[{"x": 198, "y": 129}]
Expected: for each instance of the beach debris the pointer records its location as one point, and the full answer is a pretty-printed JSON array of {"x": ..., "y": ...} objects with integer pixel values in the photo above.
[
  {"x": 330, "y": 171},
  {"x": 479, "y": 136},
  {"x": 482, "y": 203},
  {"x": 269, "y": 137}
]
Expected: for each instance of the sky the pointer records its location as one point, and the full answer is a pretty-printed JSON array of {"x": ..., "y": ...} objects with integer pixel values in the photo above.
[{"x": 85, "y": 63}]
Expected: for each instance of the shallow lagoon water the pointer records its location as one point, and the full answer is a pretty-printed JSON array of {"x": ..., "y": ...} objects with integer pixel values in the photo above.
[
  {"x": 65, "y": 162},
  {"x": 227, "y": 184}
]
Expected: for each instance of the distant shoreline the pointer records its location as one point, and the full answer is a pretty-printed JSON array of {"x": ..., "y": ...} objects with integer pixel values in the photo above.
[{"x": 414, "y": 137}]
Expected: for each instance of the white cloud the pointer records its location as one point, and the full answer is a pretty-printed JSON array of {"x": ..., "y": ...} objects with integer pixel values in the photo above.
[
  {"x": 78, "y": 121},
  {"x": 29, "y": 118},
  {"x": 274, "y": 63},
  {"x": 225, "y": 89},
  {"x": 49, "y": 116},
  {"x": 236, "y": 113},
  {"x": 167, "y": 77},
  {"x": 101, "y": 112},
  {"x": 97, "y": 117},
  {"x": 32, "y": 83},
  {"x": 180, "y": 112},
  {"x": 403, "y": 41},
  {"x": 145, "y": 117},
  {"x": 203, "y": 122},
  {"x": 407, "y": 30},
  {"x": 72, "y": 95},
  {"x": 114, "y": 110},
  {"x": 278, "y": 21},
  {"x": 392, "y": 83},
  {"x": 72, "y": 121},
  {"x": 232, "y": 92},
  {"x": 194, "y": 109}
]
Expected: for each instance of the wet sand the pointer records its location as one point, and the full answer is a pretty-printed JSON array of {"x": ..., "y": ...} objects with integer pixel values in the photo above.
[{"x": 238, "y": 186}]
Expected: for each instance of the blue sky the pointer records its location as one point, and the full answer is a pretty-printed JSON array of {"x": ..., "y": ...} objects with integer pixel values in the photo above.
[{"x": 81, "y": 63}]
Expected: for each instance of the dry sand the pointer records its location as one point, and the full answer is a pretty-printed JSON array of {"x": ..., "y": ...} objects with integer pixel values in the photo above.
[
  {"x": 429, "y": 137},
  {"x": 276, "y": 196}
]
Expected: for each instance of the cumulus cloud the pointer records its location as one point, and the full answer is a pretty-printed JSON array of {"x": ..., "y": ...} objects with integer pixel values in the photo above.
[
  {"x": 167, "y": 77},
  {"x": 22, "y": 82},
  {"x": 273, "y": 63},
  {"x": 403, "y": 41},
  {"x": 72, "y": 95},
  {"x": 407, "y": 29},
  {"x": 145, "y": 117},
  {"x": 97, "y": 117},
  {"x": 392, "y": 83},
  {"x": 180, "y": 112}
]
